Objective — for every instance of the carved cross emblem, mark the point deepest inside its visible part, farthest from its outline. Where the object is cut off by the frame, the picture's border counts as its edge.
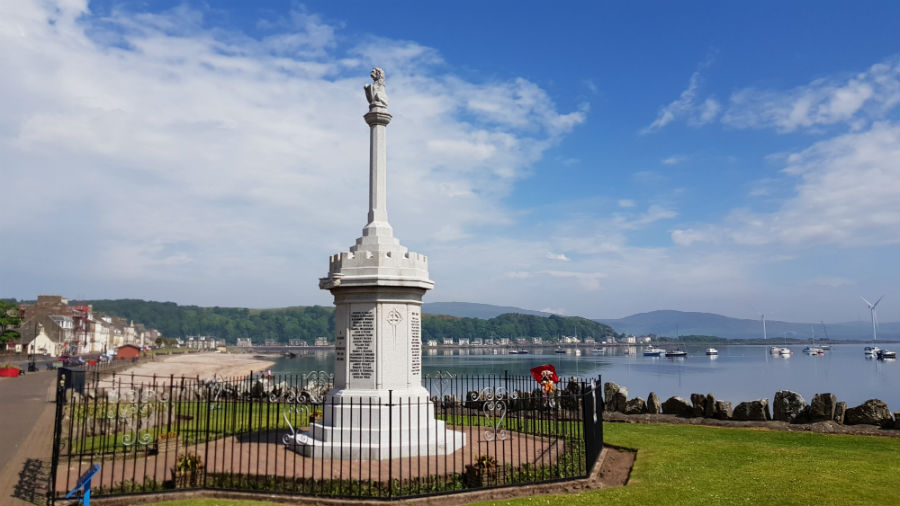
(394, 318)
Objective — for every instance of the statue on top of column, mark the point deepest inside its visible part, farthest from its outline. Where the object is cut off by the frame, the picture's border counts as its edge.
(375, 93)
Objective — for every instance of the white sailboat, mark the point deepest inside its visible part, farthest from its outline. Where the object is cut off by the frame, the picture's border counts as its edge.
(676, 352)
(777, 351)
(812, 349)
(773, 350)
(825, 346)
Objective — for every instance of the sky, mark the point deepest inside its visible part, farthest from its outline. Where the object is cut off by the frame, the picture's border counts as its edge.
(589, 159)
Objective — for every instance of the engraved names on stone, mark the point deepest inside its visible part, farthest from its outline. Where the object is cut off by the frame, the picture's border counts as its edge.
(415, 345)
(362, 345)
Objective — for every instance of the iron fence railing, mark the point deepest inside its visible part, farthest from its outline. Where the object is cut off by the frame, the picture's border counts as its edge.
(266, 433)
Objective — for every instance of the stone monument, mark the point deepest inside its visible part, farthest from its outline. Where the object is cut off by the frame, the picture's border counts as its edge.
(378, 401)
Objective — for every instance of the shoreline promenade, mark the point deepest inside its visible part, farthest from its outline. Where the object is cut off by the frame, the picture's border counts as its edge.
(26, 415)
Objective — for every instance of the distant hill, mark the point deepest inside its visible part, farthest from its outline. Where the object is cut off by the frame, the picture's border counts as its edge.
(465, 319)
(308, 322)
(664, 323)
(473, 310)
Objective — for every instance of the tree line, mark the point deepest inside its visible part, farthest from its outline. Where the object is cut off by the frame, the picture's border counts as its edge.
(309, 322)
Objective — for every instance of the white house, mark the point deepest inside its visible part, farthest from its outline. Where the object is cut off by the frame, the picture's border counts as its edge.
(41, 345)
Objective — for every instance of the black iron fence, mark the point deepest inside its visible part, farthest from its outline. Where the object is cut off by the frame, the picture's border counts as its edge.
(283, 434)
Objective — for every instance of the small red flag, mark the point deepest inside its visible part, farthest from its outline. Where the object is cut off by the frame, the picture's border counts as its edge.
(537, 372)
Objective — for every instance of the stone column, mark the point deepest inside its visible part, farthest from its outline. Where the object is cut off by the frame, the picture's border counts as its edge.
(378, 119)
(378, 399)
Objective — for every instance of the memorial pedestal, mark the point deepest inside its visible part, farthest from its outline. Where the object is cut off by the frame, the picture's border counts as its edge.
(372, 426)
(378, 408)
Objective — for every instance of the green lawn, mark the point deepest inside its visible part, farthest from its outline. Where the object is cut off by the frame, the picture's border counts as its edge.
(692, 465)
(678, 464)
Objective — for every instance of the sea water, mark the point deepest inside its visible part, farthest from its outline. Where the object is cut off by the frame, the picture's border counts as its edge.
(739, 372)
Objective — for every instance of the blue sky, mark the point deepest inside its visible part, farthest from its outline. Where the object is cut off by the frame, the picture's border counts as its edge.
(587, 159)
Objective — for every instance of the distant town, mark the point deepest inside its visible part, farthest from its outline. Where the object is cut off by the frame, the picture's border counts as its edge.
(53, 327)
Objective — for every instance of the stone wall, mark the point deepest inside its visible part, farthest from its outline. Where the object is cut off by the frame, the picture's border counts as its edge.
(786, 406)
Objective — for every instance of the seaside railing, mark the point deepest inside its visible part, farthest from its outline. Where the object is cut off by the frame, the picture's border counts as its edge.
(153, 434)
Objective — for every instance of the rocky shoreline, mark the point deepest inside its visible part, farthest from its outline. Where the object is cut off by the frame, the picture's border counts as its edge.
(824, 414)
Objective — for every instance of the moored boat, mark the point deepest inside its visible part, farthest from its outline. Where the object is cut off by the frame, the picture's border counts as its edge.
(652, 351)
(783, 352)
(778, 350)
(712, 351)
(883, 354)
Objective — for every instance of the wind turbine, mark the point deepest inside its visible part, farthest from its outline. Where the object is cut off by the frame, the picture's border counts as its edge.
(874, 322)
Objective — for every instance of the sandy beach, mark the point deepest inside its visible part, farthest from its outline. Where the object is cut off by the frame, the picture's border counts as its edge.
(204, 365)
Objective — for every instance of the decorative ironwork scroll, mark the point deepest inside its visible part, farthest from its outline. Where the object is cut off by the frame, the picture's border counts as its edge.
(494, 407)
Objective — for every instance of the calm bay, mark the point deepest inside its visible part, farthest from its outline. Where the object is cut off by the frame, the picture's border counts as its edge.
(738, 373)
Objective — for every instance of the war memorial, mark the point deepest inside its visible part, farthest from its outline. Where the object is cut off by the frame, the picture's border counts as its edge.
(374, 426)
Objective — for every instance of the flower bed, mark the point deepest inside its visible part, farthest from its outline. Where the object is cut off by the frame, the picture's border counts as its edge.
(10, 371)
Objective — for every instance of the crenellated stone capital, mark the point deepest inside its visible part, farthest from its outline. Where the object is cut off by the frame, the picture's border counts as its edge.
(377, 116)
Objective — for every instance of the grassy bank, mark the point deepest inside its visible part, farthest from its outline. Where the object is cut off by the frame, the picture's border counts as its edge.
(693, 465)
(711, 465)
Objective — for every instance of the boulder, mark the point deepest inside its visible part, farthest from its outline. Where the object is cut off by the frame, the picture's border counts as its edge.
(757, 410)
(698, 405)
(787, 405)
(653, 405)
(872, 412)
(722, 410)
(822, 407)
(897, 419)
(635, 406)
(615, 396)
(677, 406)
(840, 409)
(709, 409)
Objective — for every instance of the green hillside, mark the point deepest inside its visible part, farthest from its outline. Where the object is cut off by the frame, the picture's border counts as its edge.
(309, 322)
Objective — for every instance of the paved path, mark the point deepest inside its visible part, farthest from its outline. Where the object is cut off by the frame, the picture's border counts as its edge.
(27, 420)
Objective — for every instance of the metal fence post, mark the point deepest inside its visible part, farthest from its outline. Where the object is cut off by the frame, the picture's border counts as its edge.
(390, 443)
(600, 411)
(57, 433)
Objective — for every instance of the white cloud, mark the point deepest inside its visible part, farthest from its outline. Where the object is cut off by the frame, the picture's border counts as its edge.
(687, 107)
(845, 194)
(855, 100)
(674, 160)
(557, 256)
(208, 159)
(557, 311)
(687, 237)
(653, 214)
(678, 108)
(519, 275)
(626, 203)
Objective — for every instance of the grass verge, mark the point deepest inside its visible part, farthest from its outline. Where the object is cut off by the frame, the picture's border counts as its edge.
(693, 465)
